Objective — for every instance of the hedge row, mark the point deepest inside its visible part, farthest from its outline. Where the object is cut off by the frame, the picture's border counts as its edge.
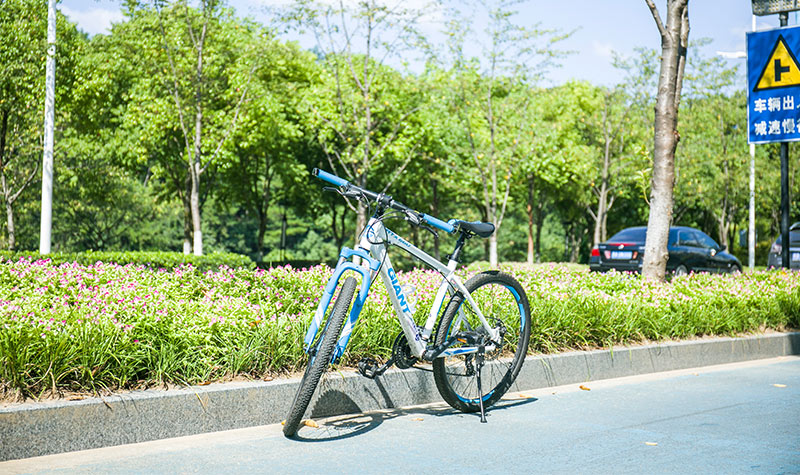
(149, 259)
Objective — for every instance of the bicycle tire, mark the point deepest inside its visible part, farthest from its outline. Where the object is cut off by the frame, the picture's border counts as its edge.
(320, 357)
(504, 303)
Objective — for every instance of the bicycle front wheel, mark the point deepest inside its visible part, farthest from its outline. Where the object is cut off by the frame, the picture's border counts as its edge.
(502, 301)
(319, 356)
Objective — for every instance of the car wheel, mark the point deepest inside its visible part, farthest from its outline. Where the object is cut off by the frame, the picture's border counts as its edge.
(681, 270)
(736, 270)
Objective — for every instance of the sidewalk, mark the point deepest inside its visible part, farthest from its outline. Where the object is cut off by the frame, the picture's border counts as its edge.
(35, 429)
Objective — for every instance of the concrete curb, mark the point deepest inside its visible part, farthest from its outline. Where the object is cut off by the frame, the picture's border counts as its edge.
(34, 429)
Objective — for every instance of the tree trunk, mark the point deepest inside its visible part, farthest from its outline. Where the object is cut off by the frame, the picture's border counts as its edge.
(196, 159)
(604, 228)
(602, 195)
(723, 226)
(361, 221)
(194, 203)
(338, 234)
(674, 39)
(262, 229)
(187, 218)
(573, 243)
(600, 216)
(435, 212)
(493, 249)
(529, 210)
(262, 209)
(12, 239)
(6, 191)
(539, 222)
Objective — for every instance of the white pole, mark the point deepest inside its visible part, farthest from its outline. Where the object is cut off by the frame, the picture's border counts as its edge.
(751, 231)
(49, 119)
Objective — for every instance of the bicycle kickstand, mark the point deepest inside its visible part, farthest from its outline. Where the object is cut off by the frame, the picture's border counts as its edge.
(480, 358)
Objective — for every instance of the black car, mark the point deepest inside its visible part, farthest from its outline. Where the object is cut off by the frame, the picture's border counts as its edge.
(774, 258)
(690, 250)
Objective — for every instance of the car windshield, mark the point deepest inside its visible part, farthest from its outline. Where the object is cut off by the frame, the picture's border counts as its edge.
(794, 238)
(630, 235)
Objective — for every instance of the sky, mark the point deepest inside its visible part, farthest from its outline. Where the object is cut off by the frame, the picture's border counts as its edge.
(602, 26)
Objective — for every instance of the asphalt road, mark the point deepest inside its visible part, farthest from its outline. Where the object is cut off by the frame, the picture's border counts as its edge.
(738, 418)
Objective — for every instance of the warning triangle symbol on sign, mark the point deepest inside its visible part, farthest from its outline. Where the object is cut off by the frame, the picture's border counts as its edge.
(781, 70)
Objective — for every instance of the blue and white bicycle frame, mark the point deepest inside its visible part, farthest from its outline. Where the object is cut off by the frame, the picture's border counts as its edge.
(372, 249)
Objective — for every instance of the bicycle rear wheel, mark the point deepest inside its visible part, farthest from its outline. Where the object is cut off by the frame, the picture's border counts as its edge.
(319, 356)
(503, 302)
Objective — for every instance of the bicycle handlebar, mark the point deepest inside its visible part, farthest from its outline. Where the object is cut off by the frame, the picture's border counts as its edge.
(329, 177)
(414, 216)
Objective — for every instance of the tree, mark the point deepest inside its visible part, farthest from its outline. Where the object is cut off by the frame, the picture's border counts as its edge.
(194, 75)
(23, 27)
(556, 153)
(490, 95)
(363, 112)
(270, 148)
(712, 172)
(619, 131)
(674, 42)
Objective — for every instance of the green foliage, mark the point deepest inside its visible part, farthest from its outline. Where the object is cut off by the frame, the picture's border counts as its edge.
(101, 326)
(23, 52)
(450, 140)
(149, 259)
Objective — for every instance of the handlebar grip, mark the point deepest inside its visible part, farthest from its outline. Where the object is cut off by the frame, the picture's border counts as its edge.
(438, 223)
(329, 177)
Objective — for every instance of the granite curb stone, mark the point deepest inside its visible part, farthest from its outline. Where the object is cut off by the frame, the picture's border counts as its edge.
(35, 429)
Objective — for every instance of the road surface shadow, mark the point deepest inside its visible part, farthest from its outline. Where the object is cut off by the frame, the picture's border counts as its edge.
(355, 424)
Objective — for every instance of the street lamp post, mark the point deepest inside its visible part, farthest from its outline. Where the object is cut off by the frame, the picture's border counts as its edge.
(751, 225)
(49, 125)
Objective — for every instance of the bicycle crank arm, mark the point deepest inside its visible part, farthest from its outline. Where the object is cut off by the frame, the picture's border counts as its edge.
(368, 367)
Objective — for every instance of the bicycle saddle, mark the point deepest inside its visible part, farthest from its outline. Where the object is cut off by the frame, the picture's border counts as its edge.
(478, 228)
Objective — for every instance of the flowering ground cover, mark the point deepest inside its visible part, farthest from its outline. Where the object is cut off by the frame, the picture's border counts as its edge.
(104, 327)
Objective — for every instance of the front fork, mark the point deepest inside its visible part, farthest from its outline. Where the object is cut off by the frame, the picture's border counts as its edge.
(344, 264)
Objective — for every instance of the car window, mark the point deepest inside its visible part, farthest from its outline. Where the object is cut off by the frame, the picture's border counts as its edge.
(794, 238)
(705, 241)
(687, 238)
(630, 235)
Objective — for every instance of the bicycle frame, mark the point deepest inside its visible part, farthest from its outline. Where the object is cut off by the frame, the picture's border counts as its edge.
(372, 249)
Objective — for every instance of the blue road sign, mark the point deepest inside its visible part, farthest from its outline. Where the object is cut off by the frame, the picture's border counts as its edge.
(773, 85)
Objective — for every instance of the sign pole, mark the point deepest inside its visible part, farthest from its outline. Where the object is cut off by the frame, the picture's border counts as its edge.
(785, 205)
(751, 231)
(784, 18)
(751, 225)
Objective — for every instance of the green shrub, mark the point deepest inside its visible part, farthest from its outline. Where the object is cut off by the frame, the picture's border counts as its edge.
(109, 326)
(149, 259)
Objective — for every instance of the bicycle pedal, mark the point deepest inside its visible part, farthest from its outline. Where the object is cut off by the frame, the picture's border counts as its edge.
(368, 367)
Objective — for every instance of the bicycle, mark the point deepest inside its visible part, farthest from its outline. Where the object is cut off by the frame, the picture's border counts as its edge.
(482, 334)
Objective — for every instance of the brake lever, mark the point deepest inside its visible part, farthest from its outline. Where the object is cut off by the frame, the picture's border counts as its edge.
(430, 230)
(416, 220)
(340, 191)
(413, 218)
(351, 194)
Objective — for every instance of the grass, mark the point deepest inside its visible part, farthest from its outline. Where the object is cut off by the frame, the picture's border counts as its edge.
(105, 327)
